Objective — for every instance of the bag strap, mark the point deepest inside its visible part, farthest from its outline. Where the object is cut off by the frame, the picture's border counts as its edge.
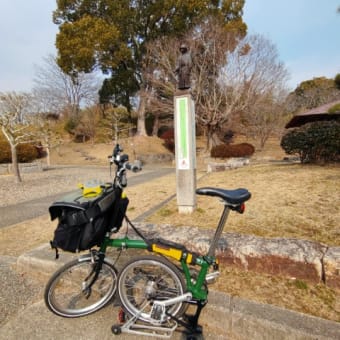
(56, 250)
(137, 231)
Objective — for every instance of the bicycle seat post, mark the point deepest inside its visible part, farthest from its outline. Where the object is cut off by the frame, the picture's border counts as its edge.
(218, 232)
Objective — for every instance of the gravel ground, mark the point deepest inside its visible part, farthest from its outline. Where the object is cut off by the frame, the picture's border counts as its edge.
(16, 290)
(48, 182)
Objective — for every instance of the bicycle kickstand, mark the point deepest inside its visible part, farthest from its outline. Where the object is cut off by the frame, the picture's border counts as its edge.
(192, 329)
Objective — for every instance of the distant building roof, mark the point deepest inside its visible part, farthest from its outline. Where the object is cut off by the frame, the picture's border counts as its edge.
(316, 114)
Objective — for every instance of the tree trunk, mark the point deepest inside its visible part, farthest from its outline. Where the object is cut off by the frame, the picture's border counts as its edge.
(115, 126)
(15, 164)
(156, 125)
(141, 130)
(48, 156)
(212, 139)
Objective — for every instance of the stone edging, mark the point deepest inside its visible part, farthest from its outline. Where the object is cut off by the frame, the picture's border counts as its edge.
(23, 167)
(237, 318)
(230, 163)
(300, 259)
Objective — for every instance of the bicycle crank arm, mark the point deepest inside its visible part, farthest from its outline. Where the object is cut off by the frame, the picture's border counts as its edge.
(182, 298)
(158, 311)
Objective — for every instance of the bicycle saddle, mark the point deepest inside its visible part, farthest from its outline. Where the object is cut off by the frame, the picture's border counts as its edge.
(236, 196)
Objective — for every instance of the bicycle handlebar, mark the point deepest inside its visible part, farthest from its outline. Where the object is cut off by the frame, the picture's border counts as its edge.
(122, 163)
(134, 167)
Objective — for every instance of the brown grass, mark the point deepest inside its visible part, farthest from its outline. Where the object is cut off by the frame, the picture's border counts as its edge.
(314, 299)
(288, 200)
(87, 153)
(22, 237)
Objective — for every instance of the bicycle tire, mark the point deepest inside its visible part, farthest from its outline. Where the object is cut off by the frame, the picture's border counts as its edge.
(65, 294)
(145, 279)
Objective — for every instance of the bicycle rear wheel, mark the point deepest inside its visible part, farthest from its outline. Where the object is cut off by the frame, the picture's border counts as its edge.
(147, 278)
(68, 293)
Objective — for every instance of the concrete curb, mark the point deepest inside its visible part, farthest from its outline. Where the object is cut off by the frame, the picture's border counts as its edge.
(7, 168)
(251, 320)
(232, 317)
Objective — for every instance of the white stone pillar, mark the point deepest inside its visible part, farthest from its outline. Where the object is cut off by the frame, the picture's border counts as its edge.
(185, 149)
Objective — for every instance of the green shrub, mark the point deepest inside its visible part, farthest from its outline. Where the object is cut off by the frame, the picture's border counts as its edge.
(232, 150)
(314, 142)
(26, 153)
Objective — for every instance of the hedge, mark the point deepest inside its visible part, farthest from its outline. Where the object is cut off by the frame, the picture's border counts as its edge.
(232, 150)
(26, 153)
(169, 139)
(314, 142)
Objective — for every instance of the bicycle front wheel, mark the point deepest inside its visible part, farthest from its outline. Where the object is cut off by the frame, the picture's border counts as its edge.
(147, 278)
(74, 291)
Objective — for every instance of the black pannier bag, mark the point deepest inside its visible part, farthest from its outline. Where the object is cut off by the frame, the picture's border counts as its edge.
(83, 222)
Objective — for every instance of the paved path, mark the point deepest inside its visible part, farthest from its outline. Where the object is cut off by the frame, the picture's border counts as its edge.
(28, 318)
(23, 211)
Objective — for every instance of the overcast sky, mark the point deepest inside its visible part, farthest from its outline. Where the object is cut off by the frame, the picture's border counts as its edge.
(305, 32)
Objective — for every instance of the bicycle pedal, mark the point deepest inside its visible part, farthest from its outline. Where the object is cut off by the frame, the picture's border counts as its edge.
(212, 277)
(158, 313)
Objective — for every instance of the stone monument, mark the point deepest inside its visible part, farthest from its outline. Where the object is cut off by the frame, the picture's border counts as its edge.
(183, 68)
(185, 136)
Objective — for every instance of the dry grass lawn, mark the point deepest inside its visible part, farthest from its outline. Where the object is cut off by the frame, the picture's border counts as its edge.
(288, 200)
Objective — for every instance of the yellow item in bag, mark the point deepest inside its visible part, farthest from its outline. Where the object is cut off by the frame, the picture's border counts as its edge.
(91, 188)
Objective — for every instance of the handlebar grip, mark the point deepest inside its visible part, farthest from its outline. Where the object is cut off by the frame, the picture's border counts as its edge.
(135, 167)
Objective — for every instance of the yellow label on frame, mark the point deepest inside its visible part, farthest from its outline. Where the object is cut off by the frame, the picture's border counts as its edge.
(171, 252)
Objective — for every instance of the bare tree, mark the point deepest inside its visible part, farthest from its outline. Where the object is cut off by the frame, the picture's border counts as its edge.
(45, 133)
(254, 72)
(215, 99)
(14, 122)
(231, 77)
(86, 129)
(208, 44)
(57, 92)
(265, 118)
(159, 74)
(116, 127)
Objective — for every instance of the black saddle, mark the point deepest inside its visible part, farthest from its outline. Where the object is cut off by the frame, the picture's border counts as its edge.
(237, 196)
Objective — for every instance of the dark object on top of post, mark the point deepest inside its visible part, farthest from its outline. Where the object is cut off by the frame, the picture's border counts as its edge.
(183, 68)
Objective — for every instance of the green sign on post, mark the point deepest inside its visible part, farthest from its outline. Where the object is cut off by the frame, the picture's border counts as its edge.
(185, 147)
(182, 127)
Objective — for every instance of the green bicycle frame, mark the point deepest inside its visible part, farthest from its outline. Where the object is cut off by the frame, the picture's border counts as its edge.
(122, 243)
(194, 285)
